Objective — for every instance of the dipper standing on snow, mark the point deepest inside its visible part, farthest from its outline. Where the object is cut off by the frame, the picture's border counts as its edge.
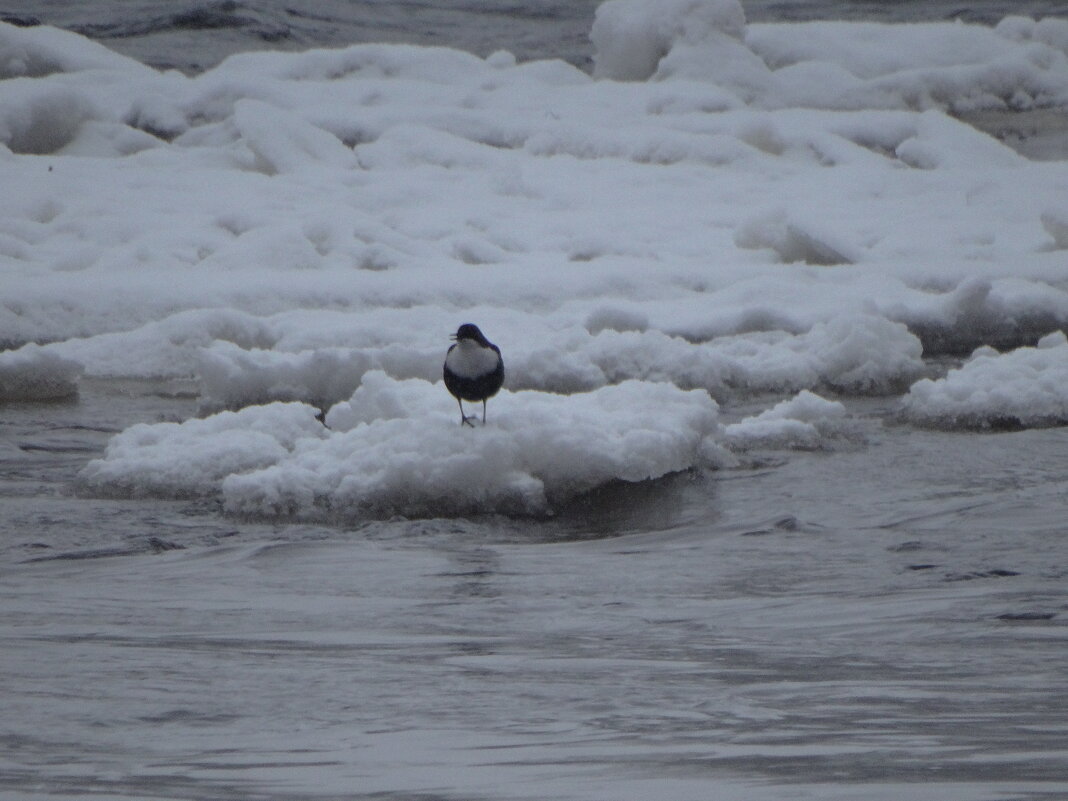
(474, 370)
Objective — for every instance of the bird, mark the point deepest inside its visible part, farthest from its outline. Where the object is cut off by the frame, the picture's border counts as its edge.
(474, 369)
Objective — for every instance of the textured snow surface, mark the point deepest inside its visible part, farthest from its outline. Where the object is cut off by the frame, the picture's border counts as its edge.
(395, 448)
(1026, 387)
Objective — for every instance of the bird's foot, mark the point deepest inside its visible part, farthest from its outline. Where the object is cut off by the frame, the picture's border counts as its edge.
(468, 421)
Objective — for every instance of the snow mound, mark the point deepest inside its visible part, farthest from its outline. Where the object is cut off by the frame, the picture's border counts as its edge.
(1027, 387)
(177, 460)
(396, 447)
(804, 422)
(864, 354)
(631, 37)
(33, 373)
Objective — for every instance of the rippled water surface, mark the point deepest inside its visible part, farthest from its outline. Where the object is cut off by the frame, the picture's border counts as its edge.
(880, 622)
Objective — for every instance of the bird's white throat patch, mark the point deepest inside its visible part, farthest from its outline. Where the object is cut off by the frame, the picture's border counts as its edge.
(470, 360)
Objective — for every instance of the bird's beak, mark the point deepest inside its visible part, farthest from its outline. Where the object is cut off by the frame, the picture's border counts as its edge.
(452, 337)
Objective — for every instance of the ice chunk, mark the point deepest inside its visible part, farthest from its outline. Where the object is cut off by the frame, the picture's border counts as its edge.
(176, 460)
(396, 447)
(694, 39)
(381, 397)
(407, 454)
(941, 142)
(951, 66)
(283, 142)
(835, 65)
(231, 376)
(40, 50)
(631, 36)
(794, 241)
(170, 347)
(805, 421)
(33, 373)
(864, 354)
(860, 353)
(1026, 387)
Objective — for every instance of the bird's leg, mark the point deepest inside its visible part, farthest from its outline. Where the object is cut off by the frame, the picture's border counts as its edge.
(483, 411)
(464, 419)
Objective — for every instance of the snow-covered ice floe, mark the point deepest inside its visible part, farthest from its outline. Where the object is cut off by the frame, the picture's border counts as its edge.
(396, 448)
(803, 422)
(1026, 387)
(721, 206)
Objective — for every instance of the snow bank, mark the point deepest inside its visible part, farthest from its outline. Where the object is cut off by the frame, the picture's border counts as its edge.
(755, 208)
(1026, 387)
(396, 448)
(856, 354)
(32, 373)
(168, 348)
(860, 354)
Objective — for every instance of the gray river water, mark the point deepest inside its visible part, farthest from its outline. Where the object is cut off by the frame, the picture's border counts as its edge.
(877, 622)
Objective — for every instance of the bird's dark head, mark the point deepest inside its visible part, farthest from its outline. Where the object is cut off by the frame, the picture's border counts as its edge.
(470, 331)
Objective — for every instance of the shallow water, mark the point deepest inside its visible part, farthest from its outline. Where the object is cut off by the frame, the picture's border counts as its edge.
(881, 621)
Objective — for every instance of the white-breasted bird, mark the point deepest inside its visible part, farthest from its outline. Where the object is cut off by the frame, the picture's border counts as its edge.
(474, 369)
